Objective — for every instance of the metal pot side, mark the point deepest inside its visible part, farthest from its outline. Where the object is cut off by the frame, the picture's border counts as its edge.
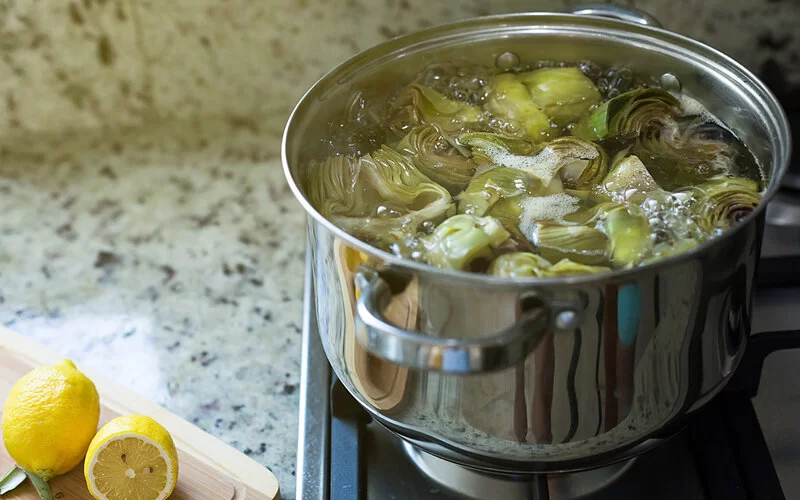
(652, 343)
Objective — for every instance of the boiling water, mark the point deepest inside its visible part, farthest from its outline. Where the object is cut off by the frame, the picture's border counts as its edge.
(705, 149)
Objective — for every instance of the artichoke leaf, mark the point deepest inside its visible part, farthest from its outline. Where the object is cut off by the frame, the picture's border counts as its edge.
(566, 267)
(627, 114)
(581, 244)
(577, 163)
(630, 236)
(510, 100)
(519, 265)
(418, 104)
(500, 193)
(486, 147)
(461, 239)
(531, 265)
(493, 185)
(433, 156)
(580, 164)
(594, 215)
(668, 249)
(629, 180)
(564, 94)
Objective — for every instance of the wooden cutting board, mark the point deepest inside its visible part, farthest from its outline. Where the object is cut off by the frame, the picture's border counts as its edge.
(209, 469)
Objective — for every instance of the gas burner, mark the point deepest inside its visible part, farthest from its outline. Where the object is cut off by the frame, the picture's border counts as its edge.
(479, 486)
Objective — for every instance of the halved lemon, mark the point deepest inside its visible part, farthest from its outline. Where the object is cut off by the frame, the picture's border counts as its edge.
(131, 458)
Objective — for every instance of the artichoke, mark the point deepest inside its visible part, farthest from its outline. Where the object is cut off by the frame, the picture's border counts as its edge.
(564, 94)
(690, 151)
(519, 265)
(566, 267)
(500, 192)
(462, 239)
(581, 164)
(510, 100)
(577, 163)
(381, 197)
(669, 249)
(331, 186)
(434, 157)
(627, 114)
(418, 104)
(581, 244)
(489, 149)
(491, 186)
(530, 265)
(630, 236)
(723, 201)
(630, 180)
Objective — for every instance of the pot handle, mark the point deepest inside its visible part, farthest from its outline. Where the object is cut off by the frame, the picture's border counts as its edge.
(451, 355)
(628, 14)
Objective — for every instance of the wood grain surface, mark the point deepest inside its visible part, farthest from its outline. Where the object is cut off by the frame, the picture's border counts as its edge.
(209, 469)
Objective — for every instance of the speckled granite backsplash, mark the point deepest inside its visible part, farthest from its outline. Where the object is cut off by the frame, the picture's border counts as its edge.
(87, 63)
(145, 226)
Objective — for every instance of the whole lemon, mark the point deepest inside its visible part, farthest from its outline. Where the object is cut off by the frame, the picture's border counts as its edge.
(49, 419)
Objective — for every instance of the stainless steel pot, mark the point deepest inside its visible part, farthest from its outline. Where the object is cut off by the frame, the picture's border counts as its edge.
(518, 376)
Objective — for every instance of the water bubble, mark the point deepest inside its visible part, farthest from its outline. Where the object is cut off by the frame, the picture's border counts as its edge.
(506, 60)
(670, 82)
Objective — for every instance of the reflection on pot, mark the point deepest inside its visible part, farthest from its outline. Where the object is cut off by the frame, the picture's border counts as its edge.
(380, 381)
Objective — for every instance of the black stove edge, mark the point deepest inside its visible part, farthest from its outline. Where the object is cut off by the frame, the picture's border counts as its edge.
(778, 271)
(313, 440)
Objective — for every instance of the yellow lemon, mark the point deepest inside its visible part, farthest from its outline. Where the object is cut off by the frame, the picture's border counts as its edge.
(49, 419)
(131, 458)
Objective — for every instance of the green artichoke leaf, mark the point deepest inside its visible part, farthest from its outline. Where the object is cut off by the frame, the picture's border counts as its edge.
(581, 244)
(493, 185)
(486, 147)
(629, 180)
(564, 94)
(629, 234)
(381, 197)
(418, 104)
(566, 267)
(572, 162)
(519, 265)
(723, 201)
(435, 157)
(627, 114)
(593, 215)
(499, 192)
(510, 100)
(581, 164)
(668, 249)
(461, 239)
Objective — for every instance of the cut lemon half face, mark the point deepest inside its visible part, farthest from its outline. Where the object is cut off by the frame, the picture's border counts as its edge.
(131, 458)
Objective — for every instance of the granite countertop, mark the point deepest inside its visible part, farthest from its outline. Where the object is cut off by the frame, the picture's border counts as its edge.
(170, 260)
(168, 252)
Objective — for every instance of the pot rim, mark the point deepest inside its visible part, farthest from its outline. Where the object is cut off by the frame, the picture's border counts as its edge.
(483, 24)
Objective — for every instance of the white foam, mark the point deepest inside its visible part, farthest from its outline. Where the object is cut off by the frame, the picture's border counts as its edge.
(543, 166)
(692, 107)
(541, 208)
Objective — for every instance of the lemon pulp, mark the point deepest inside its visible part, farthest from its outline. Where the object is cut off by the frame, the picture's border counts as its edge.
(131, 467)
